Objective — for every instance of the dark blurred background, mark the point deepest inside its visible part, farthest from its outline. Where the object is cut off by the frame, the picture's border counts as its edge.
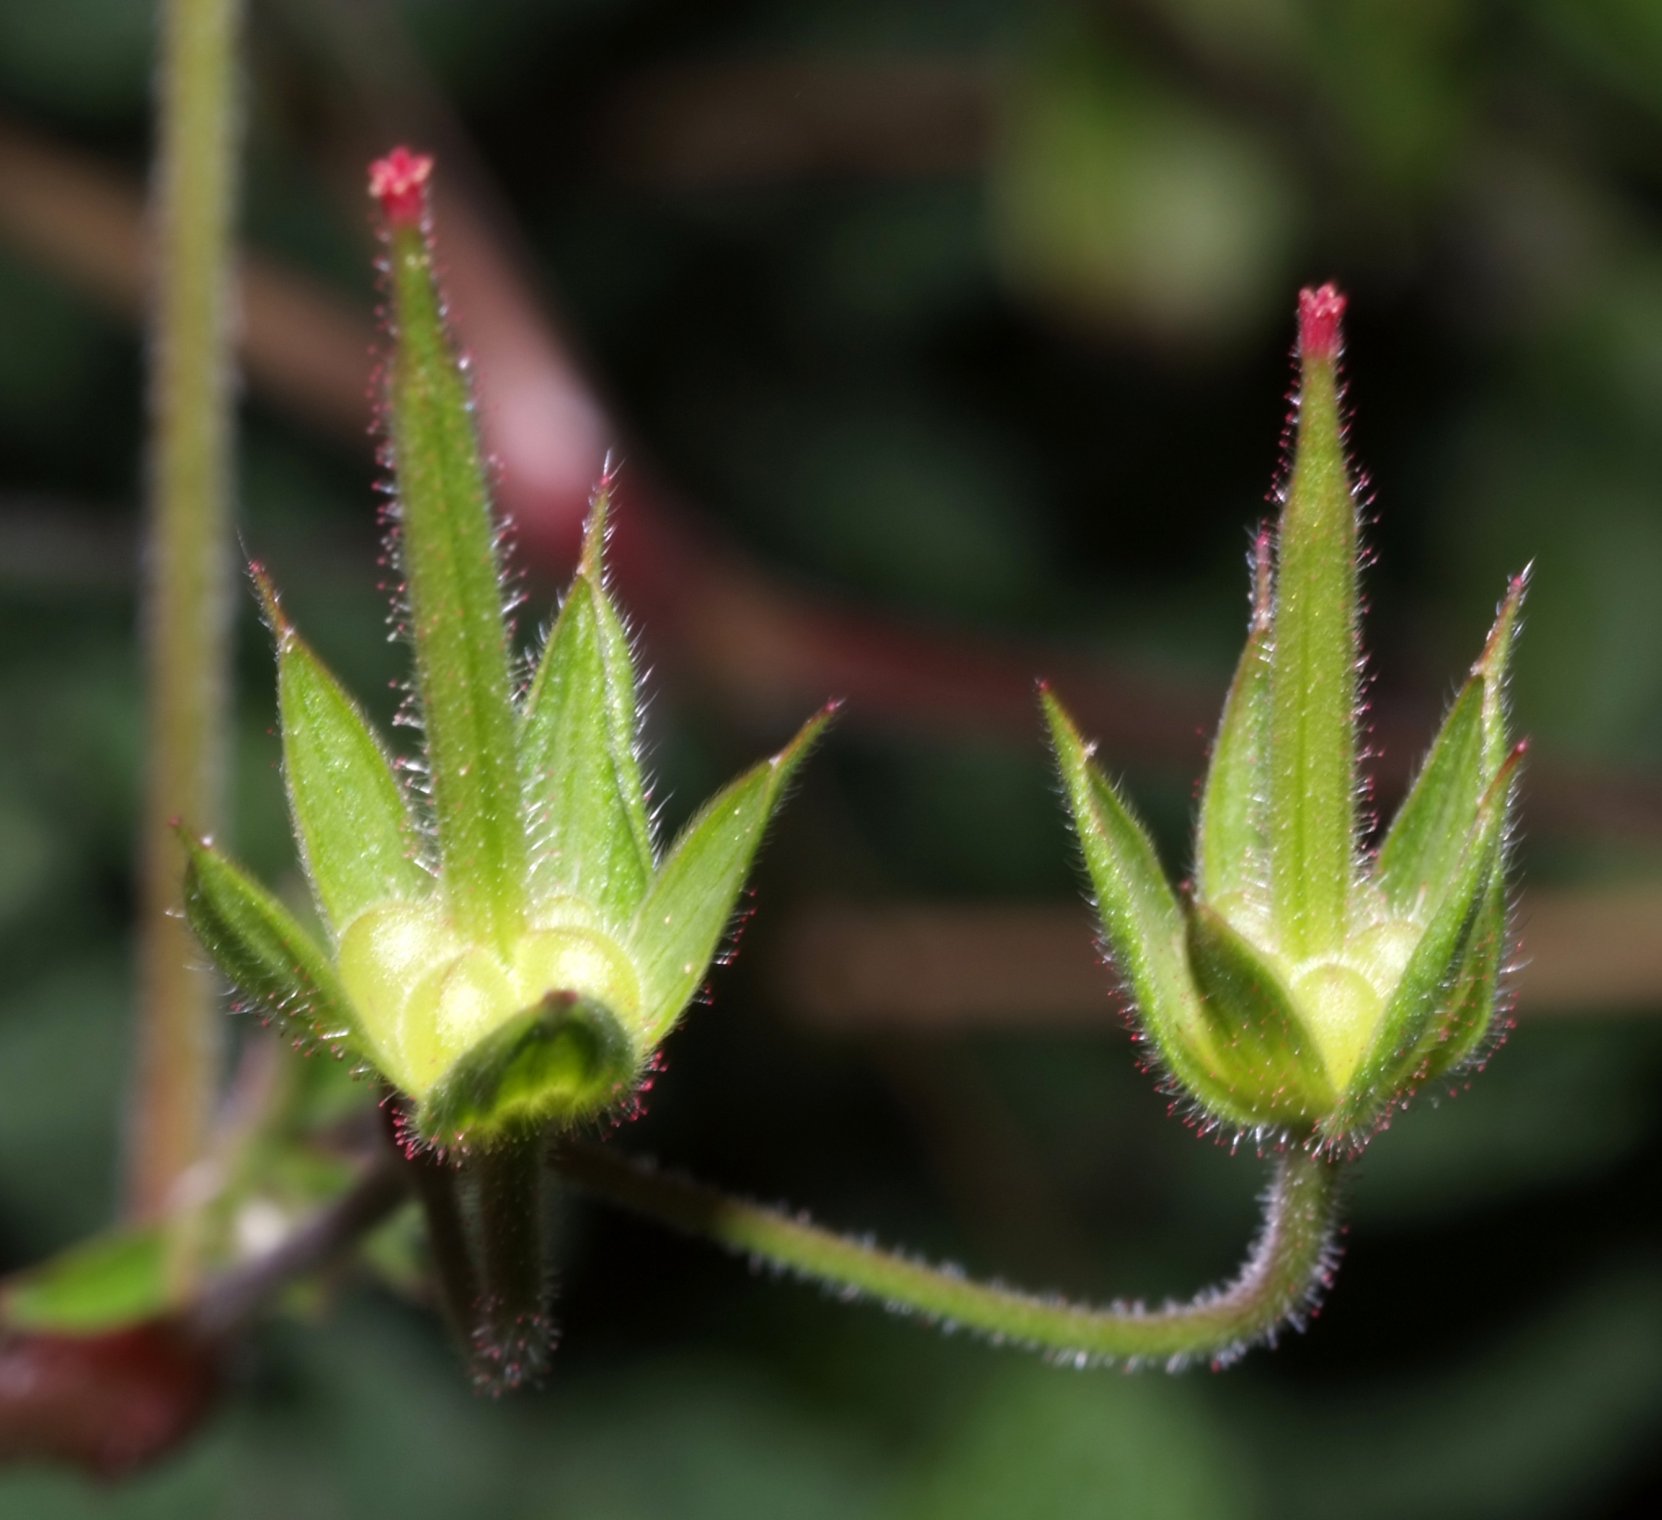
(946, 346)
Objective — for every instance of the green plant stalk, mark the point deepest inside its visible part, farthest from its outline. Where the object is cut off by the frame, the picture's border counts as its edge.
(434, 1184)
(511, 1334)
(186, 591)
(1279, 1283)
(486, 1216)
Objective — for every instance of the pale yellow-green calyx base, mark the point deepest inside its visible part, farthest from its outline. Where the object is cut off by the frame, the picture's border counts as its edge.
(426, 996)
(1339, 998)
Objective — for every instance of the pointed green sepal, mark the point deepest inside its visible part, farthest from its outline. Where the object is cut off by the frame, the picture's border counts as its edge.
(1495, 665)
(1260, 1046)
(1463, 1029)
(351, 818)
(1142, 923)
(563, 1060)
(1313, 702)
(446, 548)
(691, 901)
(1233, 842)
(266, 955)
(1428, 834)
(592, 837)
(1449, 974)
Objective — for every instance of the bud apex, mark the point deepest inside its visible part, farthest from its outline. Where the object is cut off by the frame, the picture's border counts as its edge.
(1319, 314)
(399, 183)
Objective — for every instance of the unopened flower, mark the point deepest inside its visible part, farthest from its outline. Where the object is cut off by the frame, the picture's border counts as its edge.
(508, 944)
(1307, 986)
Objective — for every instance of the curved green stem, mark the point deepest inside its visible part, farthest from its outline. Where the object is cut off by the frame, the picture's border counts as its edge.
(1279, 1284)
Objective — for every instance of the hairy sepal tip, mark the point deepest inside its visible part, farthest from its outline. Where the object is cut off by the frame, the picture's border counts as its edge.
(271, 606)
(807, 736)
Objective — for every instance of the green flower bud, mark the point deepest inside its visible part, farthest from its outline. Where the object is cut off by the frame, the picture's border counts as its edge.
(1305, 987)
(507, 945)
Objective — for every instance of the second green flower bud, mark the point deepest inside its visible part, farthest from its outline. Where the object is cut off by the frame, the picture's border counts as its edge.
(1304, 987)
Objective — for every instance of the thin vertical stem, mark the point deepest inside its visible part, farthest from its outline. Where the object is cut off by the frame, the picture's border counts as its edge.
(487, 1228)
(512, 1334)
(186, 580)
(435, 1185)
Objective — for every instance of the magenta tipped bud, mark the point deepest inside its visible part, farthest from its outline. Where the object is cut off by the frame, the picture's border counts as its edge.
(506, 945)
(398, 183)
(1305, 986)
(1320, 312)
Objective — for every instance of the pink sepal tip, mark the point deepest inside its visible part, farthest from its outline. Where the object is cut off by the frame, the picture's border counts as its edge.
(399, 183)
(1319, 314)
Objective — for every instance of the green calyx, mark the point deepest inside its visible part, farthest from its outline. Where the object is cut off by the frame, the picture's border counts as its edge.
(1304, 987)
(506, 944)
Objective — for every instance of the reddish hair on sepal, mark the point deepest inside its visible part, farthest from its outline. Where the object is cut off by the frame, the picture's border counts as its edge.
(399, 183)
(1320, 312)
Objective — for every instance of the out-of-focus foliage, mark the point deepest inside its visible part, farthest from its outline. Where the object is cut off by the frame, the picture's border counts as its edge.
(1019, 384)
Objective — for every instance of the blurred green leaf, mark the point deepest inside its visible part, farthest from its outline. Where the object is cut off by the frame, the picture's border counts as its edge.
(1122, 198)
(1047, 1445)
(101, 1284)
